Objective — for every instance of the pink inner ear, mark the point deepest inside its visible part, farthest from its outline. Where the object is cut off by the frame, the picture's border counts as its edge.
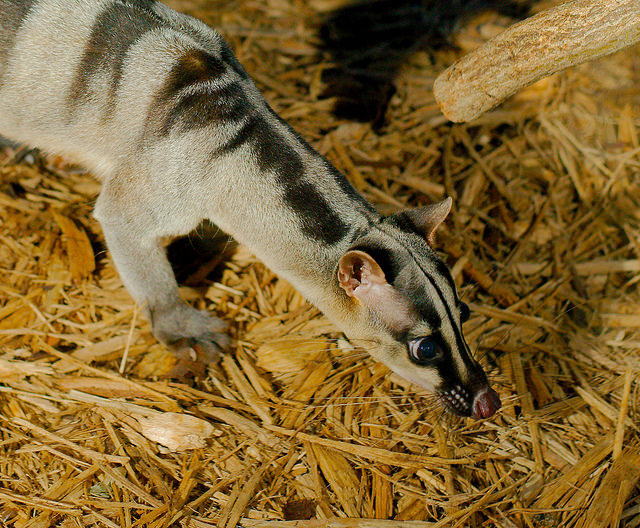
(362, 279)
(357, 272)
(347, 283)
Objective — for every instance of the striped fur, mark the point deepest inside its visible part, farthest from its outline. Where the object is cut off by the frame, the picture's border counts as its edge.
(156, 105)
(12, 15)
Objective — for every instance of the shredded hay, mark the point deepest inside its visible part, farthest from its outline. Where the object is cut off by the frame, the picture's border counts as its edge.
(297, 424)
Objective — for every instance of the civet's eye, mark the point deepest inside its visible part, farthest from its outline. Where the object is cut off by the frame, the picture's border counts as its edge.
(422, 351)
(465, 313)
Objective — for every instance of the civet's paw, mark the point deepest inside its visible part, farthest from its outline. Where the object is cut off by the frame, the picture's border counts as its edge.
(193, 335)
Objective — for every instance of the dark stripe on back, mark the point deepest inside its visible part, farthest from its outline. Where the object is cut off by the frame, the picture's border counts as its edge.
(195, 66)
(175, 110)
(241, 137)
(230, 59)
(207, 105)
(114, 31)
(201, 107)
(351, 191)
(12, 15)
(147, 5)
(275, 155)
(342, 182)
(318, 219)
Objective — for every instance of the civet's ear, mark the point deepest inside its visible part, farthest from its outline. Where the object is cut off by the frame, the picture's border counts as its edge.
(360, 276)
(428, 218)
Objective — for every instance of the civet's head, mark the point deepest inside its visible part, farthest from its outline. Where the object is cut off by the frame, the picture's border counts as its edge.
(402, 303)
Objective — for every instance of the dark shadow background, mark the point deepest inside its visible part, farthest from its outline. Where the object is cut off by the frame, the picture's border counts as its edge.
(368, 40)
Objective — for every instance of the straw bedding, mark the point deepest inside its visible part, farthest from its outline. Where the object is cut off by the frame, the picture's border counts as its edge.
(100, 427)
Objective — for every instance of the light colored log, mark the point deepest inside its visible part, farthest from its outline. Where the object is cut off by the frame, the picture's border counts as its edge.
(571, 33)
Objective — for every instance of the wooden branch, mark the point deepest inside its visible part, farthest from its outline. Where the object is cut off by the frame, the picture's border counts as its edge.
(572, 33)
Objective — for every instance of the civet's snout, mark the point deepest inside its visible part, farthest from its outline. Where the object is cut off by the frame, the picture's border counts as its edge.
(485, 404)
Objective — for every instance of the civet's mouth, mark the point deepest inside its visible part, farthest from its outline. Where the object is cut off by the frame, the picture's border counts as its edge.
(458, 400)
